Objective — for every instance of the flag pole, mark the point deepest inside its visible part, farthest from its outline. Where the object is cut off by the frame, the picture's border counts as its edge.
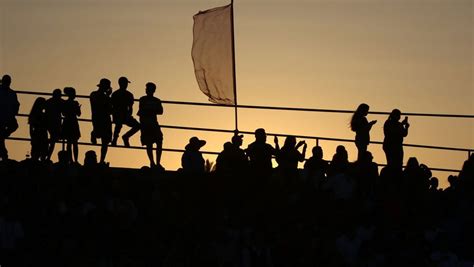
(233, 63)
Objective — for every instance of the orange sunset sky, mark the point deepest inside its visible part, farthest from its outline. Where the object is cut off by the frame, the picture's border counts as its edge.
(415, 55)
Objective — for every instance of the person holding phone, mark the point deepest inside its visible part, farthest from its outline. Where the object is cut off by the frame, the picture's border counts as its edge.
(394, 132)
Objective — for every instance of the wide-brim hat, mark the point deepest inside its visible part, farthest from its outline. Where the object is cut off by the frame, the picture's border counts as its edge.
(196, 142)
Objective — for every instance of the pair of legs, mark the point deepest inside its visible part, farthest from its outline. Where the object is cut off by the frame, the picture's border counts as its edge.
(5, 131)
(103, 130)
(394, 156)
(159, 150)
(361, 149)
(72, 149)
(134, 128)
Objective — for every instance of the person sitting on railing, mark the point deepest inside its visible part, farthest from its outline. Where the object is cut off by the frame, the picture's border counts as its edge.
(9, 107)
(192, 160)
(289, 156)
(53, 111)
(38, 130)
(149, 108)
(361, 126)
(394, 132)
(122, 102)
(71, 132)
(101, 107)
(260, 154)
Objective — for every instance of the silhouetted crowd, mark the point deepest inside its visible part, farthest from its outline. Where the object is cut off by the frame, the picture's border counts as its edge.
(240, 212)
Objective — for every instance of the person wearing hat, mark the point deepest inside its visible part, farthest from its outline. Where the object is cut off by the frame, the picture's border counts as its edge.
(149, 108)
(192, 160)
(122, 102)
(101, 107)
(9, 107)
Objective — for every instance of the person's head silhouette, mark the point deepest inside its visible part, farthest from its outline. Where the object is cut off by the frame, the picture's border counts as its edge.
(395, 115)
(104, 85)
(290, 141)
(317, 152)
(150, 88)
(70, 92)
(237, 140)
(123, 82)
(57, 93)
(90, 158)
(362, 109)
(260, 135)
(6, 81)
(195, 143)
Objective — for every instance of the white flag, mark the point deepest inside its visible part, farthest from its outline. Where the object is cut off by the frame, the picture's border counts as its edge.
(212, 54)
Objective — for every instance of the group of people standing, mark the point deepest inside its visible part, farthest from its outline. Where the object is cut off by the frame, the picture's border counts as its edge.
(55, 119)
(394, 132)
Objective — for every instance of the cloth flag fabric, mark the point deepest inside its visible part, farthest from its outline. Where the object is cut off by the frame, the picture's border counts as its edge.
(212, 54)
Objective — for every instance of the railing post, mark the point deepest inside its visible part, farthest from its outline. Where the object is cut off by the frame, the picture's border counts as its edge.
(317, 141)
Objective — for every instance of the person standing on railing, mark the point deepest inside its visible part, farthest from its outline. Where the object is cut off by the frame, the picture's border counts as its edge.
(361, 126)
(71, 131)
(38, 130)
(394, 132)
(101, 107)
(122, 102)
(9, 107)
(149, 108)
(53, 111)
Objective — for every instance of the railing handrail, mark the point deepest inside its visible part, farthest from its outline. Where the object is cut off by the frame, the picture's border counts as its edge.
(204, 152)
(415, 114)
(317, 138)
(295, 135)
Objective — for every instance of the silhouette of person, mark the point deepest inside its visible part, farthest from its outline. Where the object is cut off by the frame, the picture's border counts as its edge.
(289, 156)
(53, 111)
(394, 132)
(340, 162)
(192, 160)
(9, 107)
(232, 160)
(316, 167)
(149, 108)
(101, 107)
(122, 102)
(71, 132)
(38, 130)
(224, 161)
(239, 157)
(260, 154)
(361, 126)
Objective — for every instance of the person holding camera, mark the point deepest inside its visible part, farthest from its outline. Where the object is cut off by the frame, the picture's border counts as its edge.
(394, 132)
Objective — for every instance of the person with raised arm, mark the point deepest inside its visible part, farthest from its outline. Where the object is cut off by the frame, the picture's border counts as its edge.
(394, 132)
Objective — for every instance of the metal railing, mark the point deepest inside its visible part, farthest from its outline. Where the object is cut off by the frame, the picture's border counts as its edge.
(316, 138)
